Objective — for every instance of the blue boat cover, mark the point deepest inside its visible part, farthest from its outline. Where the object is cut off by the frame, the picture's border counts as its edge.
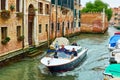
(113, 70)
(113, 40)
(50, 50)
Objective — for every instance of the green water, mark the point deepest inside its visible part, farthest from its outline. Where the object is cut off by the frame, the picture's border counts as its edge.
(91, 69)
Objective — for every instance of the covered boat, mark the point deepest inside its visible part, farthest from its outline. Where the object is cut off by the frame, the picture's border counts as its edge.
(114, 41)
(112, 71)
(59, 41)
(64, 60)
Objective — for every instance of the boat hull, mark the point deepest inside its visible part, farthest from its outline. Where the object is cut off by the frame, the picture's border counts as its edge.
(114, 41)
(112, 71)
(68, 66)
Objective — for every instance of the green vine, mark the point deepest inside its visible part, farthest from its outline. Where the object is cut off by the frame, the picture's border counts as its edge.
(6, 40)
(20, 38)
(5, 14)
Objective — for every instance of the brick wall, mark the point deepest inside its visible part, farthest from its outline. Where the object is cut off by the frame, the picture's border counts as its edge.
(93, 22)
(11, 25)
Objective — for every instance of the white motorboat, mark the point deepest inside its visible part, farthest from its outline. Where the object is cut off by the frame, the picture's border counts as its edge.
(64, 61)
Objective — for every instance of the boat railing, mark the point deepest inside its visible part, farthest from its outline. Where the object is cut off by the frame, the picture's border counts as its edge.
(63, 55)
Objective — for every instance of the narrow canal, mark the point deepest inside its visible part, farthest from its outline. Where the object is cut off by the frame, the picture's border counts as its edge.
(91, 69)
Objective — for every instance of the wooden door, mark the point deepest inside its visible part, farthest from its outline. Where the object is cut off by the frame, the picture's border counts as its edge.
(30, 33)
(63, 29)
(31, 15)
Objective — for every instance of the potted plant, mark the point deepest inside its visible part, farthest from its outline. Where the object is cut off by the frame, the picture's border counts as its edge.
(5, 14)
(19, 14)
(6, 40)
(20, 38)
(12, 7)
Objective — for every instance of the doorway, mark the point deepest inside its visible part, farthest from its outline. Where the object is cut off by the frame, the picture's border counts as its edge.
(63, 29)
(31, 14)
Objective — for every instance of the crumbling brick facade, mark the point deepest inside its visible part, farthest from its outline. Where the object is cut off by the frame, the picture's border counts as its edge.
(37, 23)
(94, 22)
(10, 24)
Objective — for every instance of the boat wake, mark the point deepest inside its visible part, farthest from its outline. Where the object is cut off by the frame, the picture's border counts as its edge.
(43, 69)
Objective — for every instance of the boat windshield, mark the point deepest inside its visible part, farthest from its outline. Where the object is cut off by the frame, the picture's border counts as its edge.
(63, 55)
(79, 50)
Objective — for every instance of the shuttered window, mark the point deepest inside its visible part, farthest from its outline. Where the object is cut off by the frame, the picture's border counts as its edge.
(40, 28)
(58, 27)
(40, 5)
(18, 5)
(71, 24)
(75, 12)
(3, 4)
(18, 31)
(52, 27)
(79, 14)
(46, 9)
(79, 24)
(3, 33)
(68, 25)
(46, 27)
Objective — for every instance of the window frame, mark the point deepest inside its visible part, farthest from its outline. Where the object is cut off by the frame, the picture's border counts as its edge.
(68, 25)
(46, 8)
(3, 33)
(40, 28)
(46, 27)
(52, 27)
(40, 7)
(18, 31)
(19, 4)
(58, 26)
(4, 5)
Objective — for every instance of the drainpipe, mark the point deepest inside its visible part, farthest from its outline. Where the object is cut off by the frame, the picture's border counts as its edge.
(103, 18)
(49, 24)
(56, 3)
(23, 23)
(73, 17)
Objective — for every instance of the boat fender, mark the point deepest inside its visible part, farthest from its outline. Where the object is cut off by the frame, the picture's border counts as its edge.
(48, 62)
(113, 54)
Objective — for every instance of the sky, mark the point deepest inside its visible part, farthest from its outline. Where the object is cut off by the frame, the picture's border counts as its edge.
(111, 3)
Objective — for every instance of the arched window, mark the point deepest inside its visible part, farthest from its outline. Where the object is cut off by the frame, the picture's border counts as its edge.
(46, 9)
(31, 9)
(40, 5)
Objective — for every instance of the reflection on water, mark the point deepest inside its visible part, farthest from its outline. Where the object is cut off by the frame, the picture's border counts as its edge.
(91, 69)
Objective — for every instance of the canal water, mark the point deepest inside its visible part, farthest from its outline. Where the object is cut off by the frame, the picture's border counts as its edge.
(91, 69)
